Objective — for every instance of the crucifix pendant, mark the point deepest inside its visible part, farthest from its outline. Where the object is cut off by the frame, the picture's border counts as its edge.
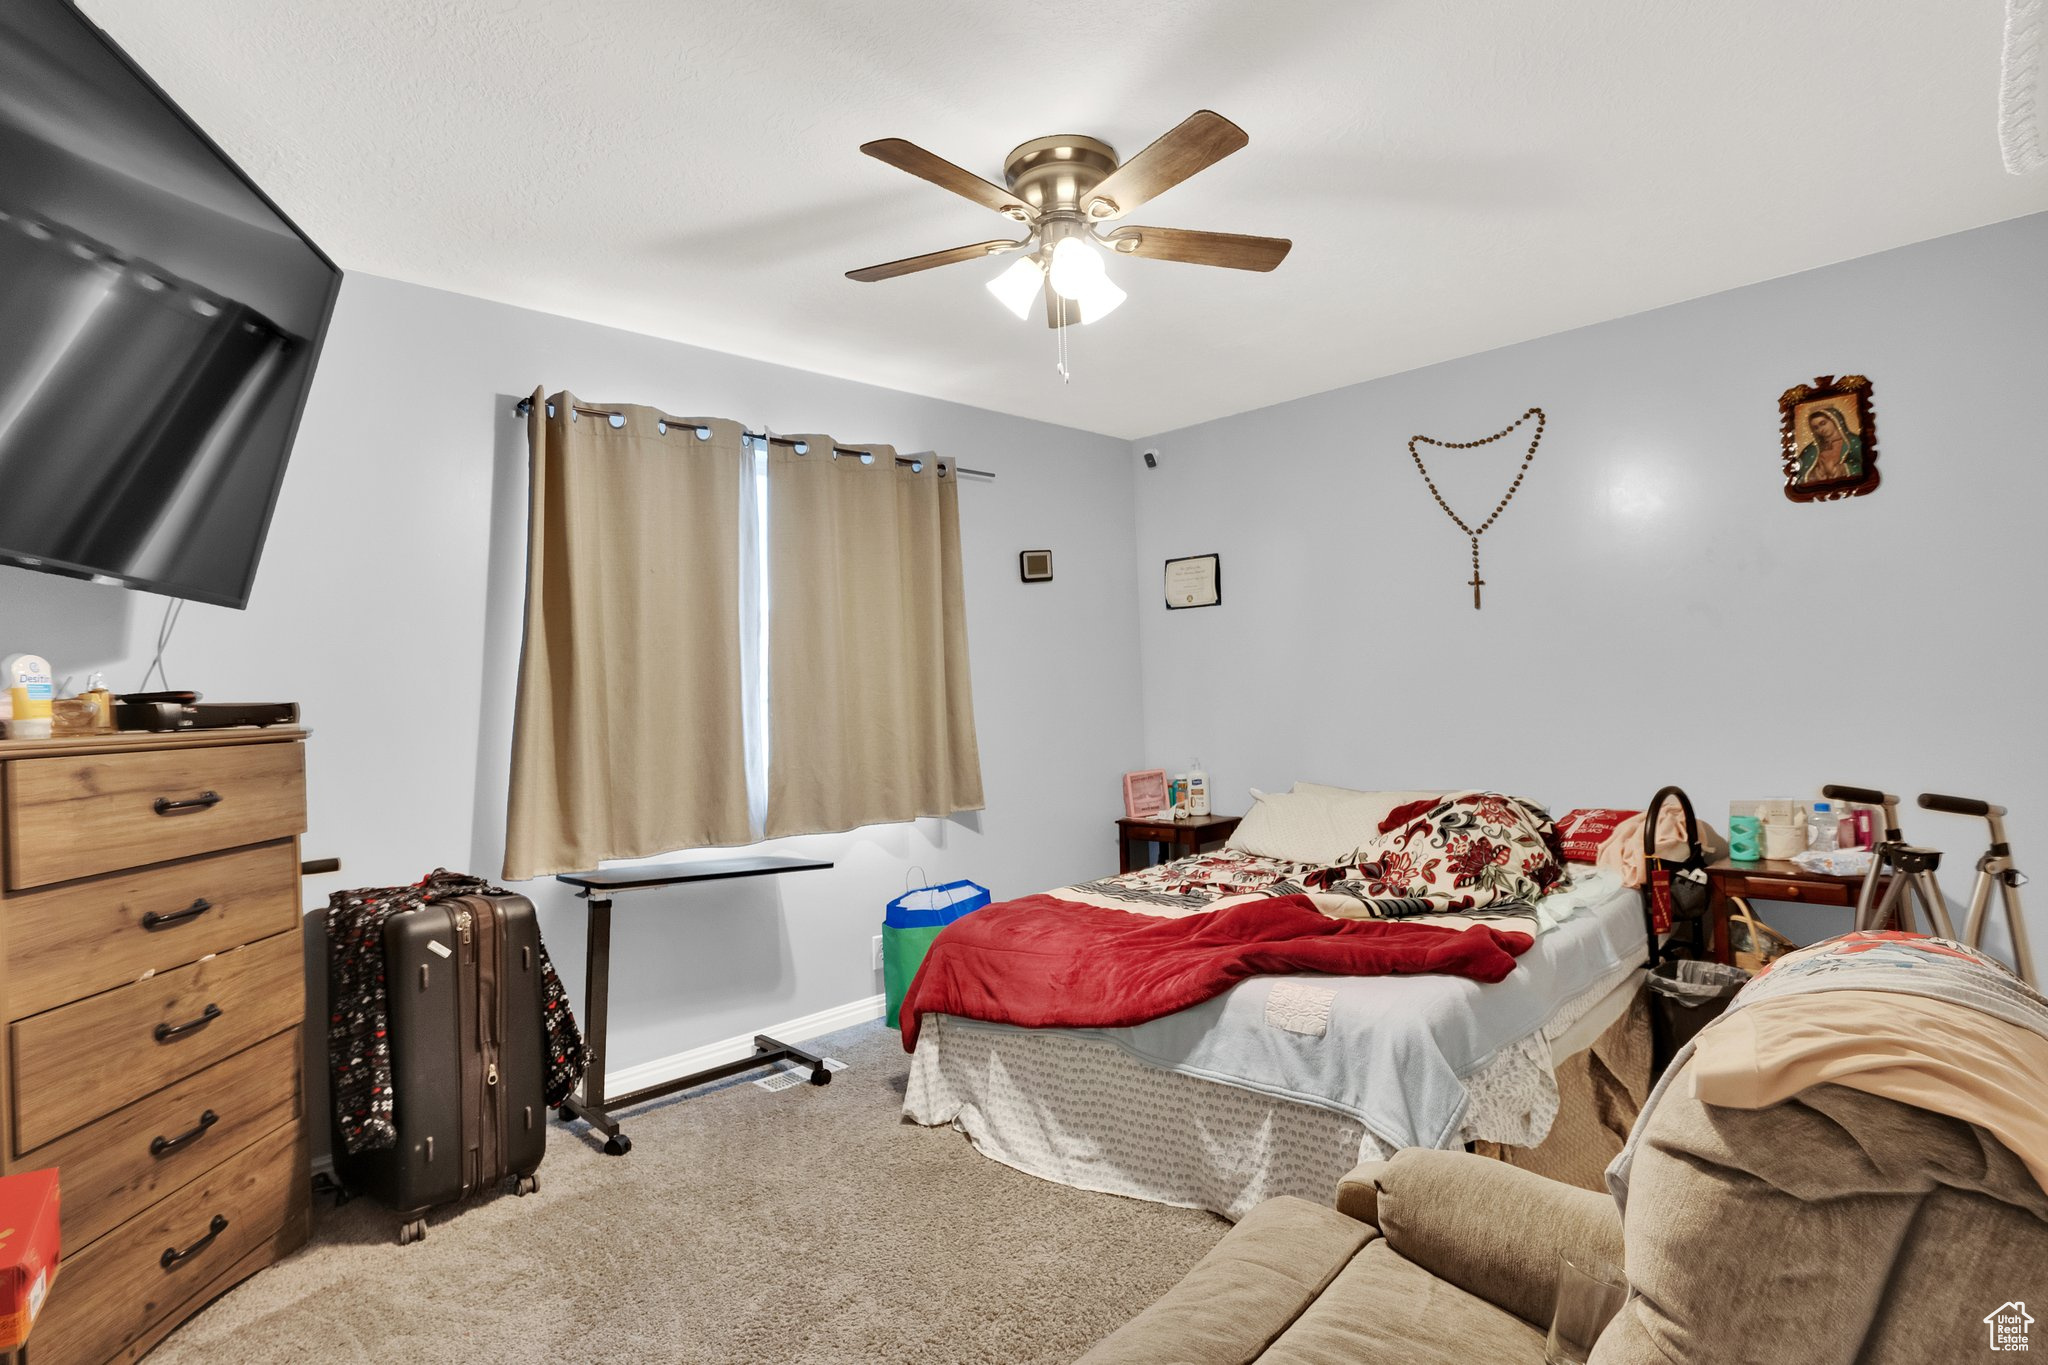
(1477, 581)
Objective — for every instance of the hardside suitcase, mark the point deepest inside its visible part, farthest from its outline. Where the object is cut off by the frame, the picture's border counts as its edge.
(464, 997)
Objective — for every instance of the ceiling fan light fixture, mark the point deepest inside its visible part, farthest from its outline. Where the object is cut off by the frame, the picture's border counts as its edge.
(1018, 286)
(1075, 268)
(1079, 276)
(1099, 300)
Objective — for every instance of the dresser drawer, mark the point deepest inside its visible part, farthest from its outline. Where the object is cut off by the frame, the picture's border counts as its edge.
(115, 1168)
(76, 940)
(111, 1293)
(1806, 893)
(74, 1064)
(75, 817)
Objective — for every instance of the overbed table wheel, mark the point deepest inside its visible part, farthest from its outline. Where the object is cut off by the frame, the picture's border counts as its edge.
(618, 1144)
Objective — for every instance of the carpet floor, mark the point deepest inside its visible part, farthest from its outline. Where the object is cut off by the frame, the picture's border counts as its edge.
(808, 1226)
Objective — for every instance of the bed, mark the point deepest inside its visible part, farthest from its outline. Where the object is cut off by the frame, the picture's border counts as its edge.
(1281, 1083)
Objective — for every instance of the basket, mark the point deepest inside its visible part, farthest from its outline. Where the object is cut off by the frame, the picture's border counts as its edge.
(1753, 944)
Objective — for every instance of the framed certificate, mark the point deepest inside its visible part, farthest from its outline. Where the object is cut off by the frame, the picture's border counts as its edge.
(1196, 581)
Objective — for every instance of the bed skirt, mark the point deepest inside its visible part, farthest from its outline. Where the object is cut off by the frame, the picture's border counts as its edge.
(1085, 1113)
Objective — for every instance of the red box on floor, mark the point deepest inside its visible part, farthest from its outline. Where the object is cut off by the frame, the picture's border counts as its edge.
(28, 1251)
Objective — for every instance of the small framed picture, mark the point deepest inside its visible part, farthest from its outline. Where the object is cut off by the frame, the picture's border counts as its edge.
(1144, 793)
(1035, 566)
(1195, 581)
(1828, 439)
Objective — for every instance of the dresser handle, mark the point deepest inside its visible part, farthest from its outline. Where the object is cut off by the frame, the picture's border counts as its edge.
(165, 806)
(172, 1257)
(153, 920)
(159, 1146)
(166, 1032)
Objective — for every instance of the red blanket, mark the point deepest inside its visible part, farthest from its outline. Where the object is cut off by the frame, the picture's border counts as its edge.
(1046, 963)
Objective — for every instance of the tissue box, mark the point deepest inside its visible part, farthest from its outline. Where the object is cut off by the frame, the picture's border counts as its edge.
(28, 1251)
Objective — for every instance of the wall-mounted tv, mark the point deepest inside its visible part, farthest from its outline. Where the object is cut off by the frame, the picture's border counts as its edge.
(159, 323)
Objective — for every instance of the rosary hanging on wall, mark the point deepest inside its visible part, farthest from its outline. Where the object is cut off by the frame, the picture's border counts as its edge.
(1474, 532)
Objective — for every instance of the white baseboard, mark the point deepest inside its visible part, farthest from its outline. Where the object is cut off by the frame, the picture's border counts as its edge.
(663, 1069)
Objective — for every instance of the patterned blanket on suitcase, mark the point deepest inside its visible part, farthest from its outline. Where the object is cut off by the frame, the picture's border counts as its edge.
(358, 1045)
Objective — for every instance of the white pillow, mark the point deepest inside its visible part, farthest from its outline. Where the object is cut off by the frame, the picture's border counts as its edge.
(1290, 825)
(1354, 816)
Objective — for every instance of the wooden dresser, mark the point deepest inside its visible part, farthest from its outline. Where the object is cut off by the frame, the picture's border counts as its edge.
(153, 994)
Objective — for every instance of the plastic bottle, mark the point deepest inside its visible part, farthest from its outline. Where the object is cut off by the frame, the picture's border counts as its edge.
(1198, 790)
(1823, 828)
(1180, 796)
(27, 679)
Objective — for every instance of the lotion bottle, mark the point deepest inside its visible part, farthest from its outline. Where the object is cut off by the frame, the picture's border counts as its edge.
(1198, 790)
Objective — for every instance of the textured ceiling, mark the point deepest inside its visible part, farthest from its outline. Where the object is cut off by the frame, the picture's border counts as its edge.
(1455, 174)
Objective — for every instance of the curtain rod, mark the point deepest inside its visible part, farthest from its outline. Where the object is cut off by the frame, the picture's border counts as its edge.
(524, 407)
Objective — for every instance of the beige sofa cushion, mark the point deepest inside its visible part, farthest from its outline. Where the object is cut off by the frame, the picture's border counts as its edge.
(1385, 1310)
(1493, 1229)
(1835, 1227)
(1244, 1293)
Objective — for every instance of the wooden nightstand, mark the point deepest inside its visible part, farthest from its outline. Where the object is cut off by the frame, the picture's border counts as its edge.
(1773, 880)
(1182, 837)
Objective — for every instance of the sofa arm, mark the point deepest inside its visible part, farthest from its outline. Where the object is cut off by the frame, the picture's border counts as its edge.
(1358, 1194)
(1489, 1228)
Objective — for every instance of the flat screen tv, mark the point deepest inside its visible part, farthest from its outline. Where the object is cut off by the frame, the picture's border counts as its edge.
(159, 323)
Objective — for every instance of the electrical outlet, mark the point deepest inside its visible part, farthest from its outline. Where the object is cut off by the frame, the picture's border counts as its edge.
(876, 951)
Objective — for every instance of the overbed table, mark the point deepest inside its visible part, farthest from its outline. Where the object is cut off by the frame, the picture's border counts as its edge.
(596, 890)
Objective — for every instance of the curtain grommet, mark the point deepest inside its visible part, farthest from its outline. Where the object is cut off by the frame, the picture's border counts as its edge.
(617, 419)
(661, 428)
(703, 433)
(802, 447)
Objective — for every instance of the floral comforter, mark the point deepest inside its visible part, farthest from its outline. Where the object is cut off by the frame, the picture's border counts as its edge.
(1478, 855)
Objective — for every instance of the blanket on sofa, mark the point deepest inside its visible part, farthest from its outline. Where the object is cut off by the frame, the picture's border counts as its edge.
(1041, 962)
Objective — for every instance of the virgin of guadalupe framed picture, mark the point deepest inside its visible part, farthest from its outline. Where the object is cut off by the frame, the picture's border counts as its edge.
(1828, 439)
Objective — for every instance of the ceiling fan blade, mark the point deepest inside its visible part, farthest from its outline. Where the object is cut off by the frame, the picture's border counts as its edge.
(910, 265)
(908, 156)
(1227, 249)
(1198, 142)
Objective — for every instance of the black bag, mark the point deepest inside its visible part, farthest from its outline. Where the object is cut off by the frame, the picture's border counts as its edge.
(464, 1000)
(1690, 891)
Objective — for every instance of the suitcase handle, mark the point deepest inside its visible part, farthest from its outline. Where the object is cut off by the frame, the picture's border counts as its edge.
(173, 1258)
(162, 1146)
(153, 920)
(166, 1032)
(164, 805)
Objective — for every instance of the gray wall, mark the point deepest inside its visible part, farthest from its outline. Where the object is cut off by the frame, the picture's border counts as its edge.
(1655, 610)
(389, 604)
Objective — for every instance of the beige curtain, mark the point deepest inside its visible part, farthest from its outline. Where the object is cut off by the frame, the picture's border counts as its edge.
(628, 737)
(871, 715)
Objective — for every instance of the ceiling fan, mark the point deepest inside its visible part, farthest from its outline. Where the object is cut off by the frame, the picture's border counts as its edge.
(1067, 189)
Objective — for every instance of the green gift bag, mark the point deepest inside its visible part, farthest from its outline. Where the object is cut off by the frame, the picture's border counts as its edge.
(910, 924)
